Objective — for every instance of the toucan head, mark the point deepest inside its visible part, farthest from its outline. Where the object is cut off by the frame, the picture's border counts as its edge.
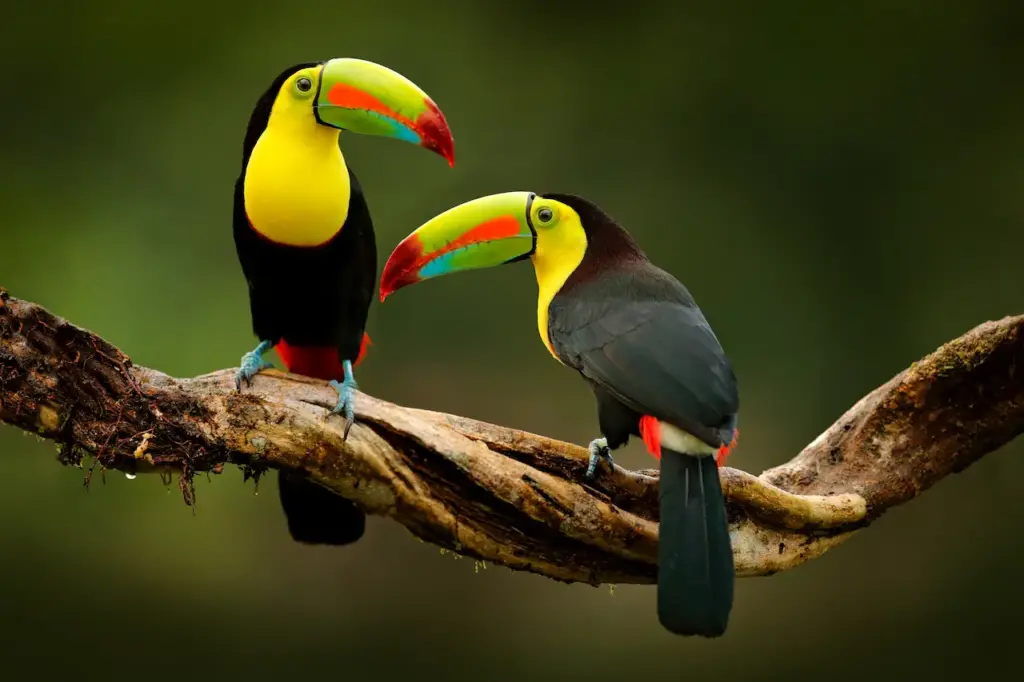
(553, 230)
(358, 96)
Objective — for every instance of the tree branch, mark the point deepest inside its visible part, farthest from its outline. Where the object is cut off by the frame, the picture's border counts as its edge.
(494, 493)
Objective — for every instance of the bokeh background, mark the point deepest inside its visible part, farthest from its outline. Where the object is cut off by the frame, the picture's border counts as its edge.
(839, 185)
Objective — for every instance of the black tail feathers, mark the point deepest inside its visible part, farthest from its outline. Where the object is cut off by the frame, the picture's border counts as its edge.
(696, 574)
(316, 516)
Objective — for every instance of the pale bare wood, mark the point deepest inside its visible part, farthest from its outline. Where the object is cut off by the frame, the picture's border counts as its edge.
(498, 494)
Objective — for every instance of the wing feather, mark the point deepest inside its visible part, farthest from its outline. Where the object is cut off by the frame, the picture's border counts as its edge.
(653, 352)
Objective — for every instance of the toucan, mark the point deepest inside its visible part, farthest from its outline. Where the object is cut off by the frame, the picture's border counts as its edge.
(637, 337)
(305, 241)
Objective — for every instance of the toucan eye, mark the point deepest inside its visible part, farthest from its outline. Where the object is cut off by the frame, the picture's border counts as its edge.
(304, 84)
(545, 215)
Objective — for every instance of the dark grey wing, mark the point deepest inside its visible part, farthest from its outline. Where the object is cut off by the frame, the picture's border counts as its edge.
(658, 357)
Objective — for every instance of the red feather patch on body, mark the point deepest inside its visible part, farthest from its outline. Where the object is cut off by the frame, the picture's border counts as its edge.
(319, 362)
(363, 345)
(724, 451)
(650, 431)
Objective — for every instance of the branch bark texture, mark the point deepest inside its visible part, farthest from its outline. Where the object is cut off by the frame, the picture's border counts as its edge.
(498, 494)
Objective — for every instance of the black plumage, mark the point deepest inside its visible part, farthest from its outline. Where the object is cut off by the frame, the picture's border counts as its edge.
(311, 299)
(636, 335)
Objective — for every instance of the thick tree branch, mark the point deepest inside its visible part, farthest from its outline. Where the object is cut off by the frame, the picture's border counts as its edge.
(498, 494)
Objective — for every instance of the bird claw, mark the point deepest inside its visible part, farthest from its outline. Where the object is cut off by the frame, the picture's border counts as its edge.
(251, 364)
(598, 450)
(346, 402)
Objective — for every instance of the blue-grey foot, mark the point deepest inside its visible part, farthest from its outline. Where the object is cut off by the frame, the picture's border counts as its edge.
(346, 397)
(598, 450)
(252, 363)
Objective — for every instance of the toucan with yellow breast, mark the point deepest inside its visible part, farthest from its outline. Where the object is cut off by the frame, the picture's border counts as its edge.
(637, 337)
(305, 240)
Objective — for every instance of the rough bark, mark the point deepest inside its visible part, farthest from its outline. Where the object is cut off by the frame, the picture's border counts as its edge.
(498, 494)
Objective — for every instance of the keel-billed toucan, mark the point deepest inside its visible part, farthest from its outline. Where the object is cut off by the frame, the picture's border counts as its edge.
(305, 240)
(638, 338)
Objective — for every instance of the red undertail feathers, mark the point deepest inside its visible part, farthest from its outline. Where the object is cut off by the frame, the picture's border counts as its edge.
(650, 431)
(363, 345)
(319, 362)
(724, 451)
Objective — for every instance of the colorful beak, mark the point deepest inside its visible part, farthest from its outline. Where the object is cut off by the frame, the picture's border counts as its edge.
(370, 99)
(481, 233)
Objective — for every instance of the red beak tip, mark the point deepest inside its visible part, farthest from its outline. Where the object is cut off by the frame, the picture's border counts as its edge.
(435, 133)
(448, 151)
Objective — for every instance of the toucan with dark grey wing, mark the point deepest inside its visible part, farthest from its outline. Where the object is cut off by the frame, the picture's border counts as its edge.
(636, 335)
(305, 241)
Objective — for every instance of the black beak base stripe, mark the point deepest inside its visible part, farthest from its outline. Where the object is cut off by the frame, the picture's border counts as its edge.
(316, 96)
(533, 230)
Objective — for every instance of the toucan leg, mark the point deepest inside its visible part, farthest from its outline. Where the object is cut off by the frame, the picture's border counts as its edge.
(598, 450)
(252, 363)
(346, 397)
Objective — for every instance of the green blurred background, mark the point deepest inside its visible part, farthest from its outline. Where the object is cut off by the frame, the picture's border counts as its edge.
(840, 186)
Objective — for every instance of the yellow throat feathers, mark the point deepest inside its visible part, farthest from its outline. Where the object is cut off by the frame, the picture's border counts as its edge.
(297, 186)
(560, 250)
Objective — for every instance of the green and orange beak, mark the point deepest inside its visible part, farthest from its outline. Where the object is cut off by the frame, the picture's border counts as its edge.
(481, 233)
(366, 98)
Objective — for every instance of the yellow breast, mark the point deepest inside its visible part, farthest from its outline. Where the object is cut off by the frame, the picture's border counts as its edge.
(297, 187)
(542, 325)
(559, 252)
